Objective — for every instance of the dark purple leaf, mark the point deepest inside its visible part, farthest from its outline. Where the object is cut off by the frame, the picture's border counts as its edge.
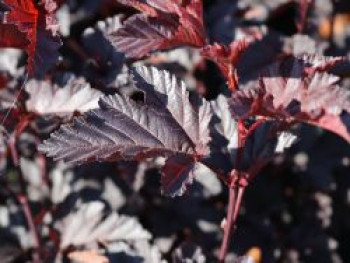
(166, 125)
(109, 62)
(261, 146)
(161, 25)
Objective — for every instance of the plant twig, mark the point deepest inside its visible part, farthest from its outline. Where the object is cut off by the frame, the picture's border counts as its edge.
(235, 200)
(228, 225)
(237, 186)
(22, 199)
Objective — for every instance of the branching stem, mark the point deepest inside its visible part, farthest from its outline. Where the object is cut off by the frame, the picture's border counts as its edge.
(235, 199)
(238, 183)
(228, 225)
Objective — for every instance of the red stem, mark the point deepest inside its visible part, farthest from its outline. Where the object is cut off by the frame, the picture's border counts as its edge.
(21, 126)
(241, 190)
(233, 79)
(235, 195)
(304, 7)
(29, 217)
(235, 200)
(13, 151)
(228, 225)
(255, 126)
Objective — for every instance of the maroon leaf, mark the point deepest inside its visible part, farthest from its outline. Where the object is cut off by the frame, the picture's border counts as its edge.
(298, 90)
(177, 173)
(141, 34)
(167, 124)
(36, 27)
(163, 25)
(227, 58)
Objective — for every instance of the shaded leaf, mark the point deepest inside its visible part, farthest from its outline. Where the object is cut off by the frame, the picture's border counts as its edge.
(109, 61)
(261, 146)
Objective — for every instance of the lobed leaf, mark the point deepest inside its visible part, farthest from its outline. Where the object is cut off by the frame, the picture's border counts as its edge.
(97, 227)
(167, 124)
(141, 34)
(298, 90)
(161, 25)
(47, 98)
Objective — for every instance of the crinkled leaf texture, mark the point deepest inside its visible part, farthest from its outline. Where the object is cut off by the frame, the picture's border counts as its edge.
(88, 225)
(32, 26)
(48, 98)
(166, 124)
(161, 25)
(298, 90)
